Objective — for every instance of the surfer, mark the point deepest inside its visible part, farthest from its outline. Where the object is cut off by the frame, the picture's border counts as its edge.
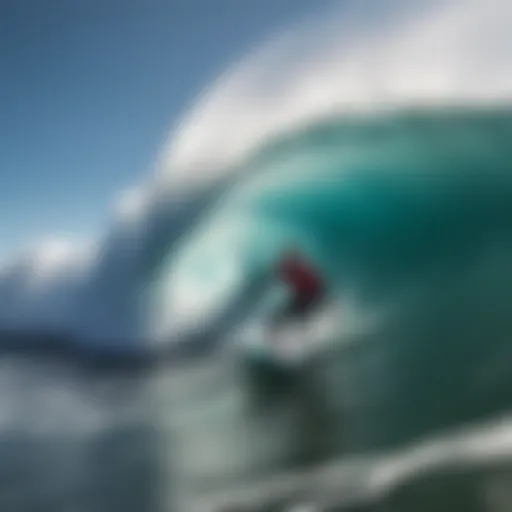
(297, 383)
(306, 286)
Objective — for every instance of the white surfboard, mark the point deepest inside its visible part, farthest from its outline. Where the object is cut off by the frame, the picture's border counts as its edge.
(295, 342)
(292, 343)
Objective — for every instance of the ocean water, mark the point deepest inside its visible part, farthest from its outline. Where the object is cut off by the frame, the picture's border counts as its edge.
(382, 151)
(181, 438)
(408, 215)
(184, 438)
(75, 438)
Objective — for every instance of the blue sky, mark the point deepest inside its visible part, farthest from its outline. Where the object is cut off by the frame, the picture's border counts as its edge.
(89, 90)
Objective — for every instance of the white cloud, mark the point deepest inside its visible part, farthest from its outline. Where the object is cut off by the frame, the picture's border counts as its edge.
(40, 287)
(57, 255)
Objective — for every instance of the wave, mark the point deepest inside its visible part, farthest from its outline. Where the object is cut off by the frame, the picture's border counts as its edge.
(401, 199)
(464, 469)
(297, 116)
(372, 136)
(376, 202)
(407, 214)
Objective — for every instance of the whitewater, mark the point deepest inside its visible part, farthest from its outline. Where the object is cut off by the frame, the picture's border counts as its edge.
(377, 138)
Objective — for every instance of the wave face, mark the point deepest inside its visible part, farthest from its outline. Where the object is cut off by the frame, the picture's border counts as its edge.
(384, 154)
(407, 214)
(336, 136)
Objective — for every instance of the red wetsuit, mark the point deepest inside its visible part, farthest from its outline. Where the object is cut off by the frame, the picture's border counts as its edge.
(305, 283)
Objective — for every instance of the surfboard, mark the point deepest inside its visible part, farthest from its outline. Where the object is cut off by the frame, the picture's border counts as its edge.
(289, 344)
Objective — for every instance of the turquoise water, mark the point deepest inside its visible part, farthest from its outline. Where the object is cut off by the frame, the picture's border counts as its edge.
(380, 193)
(408, 213)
